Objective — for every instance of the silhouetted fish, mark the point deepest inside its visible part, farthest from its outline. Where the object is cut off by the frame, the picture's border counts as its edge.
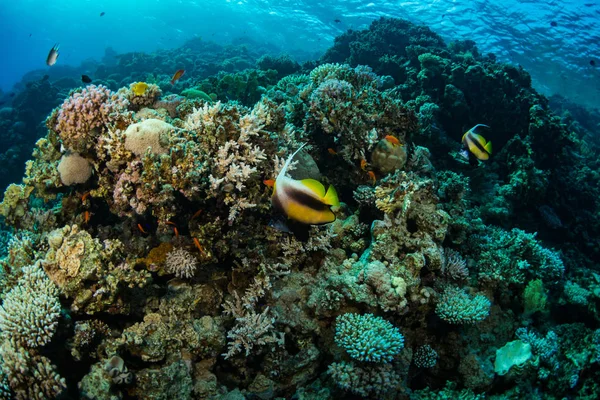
(592, 63)
(86, 79)
(12, 94)
(102, 13)
(45, 78)
(553, 23)
(337, 21)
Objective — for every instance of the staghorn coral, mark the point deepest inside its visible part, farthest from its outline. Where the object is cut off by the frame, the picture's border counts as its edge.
(251, 327)
(30, 311)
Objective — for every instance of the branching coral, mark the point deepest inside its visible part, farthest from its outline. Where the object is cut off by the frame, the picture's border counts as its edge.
(30, 311)
(365, 380)
(457, 307)
(84, 114)
(251, 327)
(181, 263)
(514, 257)
(31, 376)
(368, 338)
(345, 103)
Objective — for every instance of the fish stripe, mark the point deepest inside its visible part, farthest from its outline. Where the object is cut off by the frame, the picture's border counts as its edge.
(476, 148)
(302, 207)
(302, 198)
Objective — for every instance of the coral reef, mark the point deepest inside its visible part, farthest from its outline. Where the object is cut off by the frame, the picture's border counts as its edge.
(142, 247)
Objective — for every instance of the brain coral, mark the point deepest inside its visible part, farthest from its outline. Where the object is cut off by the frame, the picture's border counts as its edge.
(368, 338)
(150, 134)
(74, 169)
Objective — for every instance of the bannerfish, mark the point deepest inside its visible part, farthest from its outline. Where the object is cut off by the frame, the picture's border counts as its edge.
(305, 201)
(476, 144)
(52, 55)
(86, 79)
(177, 75)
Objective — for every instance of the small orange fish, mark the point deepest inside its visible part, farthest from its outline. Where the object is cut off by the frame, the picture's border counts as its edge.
(332, 151)
(177, 75)
(363, 164)
(176, 232)
(141, 229)
(197, 214)
(170, 223)
(86, 217)
(269, 182)
(197, 243)
(393, 140)
(85, 196)
(372, 177)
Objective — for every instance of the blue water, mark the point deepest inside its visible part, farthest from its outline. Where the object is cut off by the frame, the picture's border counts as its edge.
(521, 32)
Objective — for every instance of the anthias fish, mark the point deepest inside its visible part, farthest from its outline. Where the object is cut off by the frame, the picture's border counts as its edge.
(177, 75)
(305, 201)
(477, 144)
(52, 55)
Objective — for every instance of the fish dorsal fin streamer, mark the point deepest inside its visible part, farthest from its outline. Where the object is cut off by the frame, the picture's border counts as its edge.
(287, 162)
(315, 186)
(331, 197)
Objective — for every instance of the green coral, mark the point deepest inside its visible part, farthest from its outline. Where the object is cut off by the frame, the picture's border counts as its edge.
(457, 307)
(368, 338)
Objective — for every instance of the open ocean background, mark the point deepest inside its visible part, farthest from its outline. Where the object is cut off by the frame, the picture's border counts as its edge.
(521, 32)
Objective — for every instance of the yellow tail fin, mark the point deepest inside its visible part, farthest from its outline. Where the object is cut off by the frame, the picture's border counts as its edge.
(488, 147)
(331, 197)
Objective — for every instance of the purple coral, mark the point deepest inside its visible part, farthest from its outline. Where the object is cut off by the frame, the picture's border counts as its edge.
(85, 112)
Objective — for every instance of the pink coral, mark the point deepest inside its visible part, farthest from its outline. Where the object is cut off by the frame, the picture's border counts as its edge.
(84, 113)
